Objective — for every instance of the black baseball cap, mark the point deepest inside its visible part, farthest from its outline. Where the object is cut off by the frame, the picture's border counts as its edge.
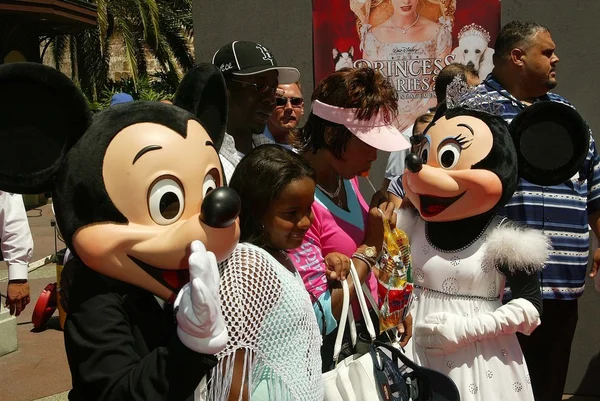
(249, 58)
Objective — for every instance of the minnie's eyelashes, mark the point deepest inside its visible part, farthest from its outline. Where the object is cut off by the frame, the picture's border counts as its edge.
(462, 141)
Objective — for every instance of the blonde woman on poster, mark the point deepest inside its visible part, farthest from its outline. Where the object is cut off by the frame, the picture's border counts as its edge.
(409, 40)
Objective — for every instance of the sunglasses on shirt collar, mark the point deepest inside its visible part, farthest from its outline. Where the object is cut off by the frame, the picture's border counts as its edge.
(281, 101)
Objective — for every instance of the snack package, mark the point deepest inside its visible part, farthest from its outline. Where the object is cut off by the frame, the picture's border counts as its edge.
(394, 284)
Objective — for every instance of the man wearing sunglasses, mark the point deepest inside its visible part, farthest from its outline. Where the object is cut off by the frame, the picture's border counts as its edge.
(289, 109)
(252, 76)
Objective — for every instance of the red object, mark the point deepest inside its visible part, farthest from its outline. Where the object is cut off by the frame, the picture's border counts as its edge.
(44, 307)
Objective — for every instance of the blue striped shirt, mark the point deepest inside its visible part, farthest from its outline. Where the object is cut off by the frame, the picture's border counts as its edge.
(561, 211)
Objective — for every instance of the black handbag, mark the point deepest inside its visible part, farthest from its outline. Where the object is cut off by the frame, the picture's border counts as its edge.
(400, 379)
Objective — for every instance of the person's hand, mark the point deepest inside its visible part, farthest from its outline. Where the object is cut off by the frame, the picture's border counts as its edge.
(374, 227)
(406, 203)
(405, 330)
(595, 263)
(441, 333)
(200, 323)
(17, 296)
(338, 266)
(379, 198)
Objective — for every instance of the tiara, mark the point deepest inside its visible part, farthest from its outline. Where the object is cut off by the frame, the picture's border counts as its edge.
(474, 30)
(459, 94)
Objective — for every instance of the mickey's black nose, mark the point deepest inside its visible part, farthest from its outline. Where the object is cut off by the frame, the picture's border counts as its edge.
(413, 163)
(220, 207)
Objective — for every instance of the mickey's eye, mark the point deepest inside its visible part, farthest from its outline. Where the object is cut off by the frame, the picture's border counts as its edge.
(448, 155)
(424, 154)
(166, 201)
(210, 183)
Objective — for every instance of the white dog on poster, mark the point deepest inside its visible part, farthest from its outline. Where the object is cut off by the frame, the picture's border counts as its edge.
(473, 49)
(343, 59)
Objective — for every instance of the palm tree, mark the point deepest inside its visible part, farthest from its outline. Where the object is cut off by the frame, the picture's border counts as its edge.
(161, 28)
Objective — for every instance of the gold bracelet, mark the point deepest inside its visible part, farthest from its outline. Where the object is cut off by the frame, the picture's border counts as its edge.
(368, 261)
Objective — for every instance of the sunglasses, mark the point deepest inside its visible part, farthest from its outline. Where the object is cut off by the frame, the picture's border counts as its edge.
(260, 88)
(416, 139)
(281, 101)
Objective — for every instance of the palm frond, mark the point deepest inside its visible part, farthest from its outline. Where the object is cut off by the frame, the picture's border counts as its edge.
(103, 24)
(59, 49)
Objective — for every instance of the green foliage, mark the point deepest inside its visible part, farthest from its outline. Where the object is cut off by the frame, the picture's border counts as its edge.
(161, 28)
(147, 88)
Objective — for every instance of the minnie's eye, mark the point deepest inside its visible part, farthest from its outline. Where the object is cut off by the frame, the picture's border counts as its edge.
(210, 183)
(448, 155)
(166, 201)
(424, 154)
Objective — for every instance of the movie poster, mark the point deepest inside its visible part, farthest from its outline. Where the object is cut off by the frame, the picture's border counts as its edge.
(410, 41)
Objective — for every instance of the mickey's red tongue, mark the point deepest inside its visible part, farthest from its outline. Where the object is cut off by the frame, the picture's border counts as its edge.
(176, 279)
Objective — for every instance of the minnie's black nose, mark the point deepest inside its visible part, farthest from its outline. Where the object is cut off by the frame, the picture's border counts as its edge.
(220, 207)
(413, 163)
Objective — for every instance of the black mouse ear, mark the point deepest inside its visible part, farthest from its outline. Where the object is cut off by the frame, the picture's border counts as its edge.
(552, 142)
(42, 114)
(203, 92)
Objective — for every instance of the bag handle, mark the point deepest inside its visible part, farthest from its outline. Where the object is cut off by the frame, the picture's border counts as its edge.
(369, 296)
(342, 323)
(347, 312)
(361, 301)
(352, 327)
(397, 354)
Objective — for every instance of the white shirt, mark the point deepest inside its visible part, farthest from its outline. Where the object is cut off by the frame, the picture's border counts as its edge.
(230, 156)
(270, 136)
(395, 164)
(16, 240)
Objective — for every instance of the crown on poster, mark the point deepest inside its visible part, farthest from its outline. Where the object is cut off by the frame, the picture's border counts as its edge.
(460, 94)
(474, 30)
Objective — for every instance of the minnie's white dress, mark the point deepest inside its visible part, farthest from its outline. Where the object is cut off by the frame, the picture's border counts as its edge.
(466, 283)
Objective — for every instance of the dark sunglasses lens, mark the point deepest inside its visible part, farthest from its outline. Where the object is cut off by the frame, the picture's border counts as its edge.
(280, 101)
(296, 101)
(416, 139)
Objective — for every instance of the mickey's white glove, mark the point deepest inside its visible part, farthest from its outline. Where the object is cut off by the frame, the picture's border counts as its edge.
(200, 324)
(444, 333)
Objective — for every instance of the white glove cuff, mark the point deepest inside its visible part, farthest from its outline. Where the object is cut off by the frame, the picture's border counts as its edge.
(210, 345)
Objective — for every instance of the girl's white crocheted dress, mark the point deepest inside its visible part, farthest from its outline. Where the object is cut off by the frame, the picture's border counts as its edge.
(270, 316)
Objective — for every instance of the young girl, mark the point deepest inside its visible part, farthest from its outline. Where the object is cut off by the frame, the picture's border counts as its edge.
(274, 340)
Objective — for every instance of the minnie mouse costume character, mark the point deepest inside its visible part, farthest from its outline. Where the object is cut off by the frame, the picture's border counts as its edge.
(464, 168)
(138, 196)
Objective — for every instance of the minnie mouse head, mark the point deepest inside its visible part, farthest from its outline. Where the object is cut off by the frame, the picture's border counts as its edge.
(468, 160)
(134, 185)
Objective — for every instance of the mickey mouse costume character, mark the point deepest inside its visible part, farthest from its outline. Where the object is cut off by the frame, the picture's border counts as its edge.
(465, 167)
(139, 200)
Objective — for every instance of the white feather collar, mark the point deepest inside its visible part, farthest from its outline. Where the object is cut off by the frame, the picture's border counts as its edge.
(516, 247)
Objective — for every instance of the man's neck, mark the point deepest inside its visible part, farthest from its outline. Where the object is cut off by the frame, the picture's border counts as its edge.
(242, 138)
(511, 83)
(280, 135)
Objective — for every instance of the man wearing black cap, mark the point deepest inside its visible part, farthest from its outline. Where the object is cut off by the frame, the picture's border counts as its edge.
(252, 76)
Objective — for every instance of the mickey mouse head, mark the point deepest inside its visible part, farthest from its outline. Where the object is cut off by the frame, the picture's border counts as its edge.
(132, 187)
